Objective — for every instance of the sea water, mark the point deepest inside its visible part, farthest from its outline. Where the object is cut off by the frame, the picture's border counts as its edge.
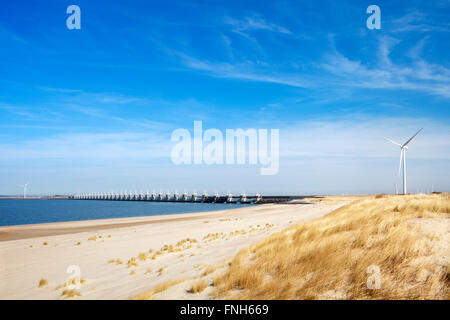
(17, 212)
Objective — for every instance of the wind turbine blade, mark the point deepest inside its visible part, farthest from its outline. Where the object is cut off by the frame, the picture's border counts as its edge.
(400, 165)
(396, 143)
(406, 143)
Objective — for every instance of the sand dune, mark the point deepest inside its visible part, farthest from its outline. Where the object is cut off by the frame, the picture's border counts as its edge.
(400, 245)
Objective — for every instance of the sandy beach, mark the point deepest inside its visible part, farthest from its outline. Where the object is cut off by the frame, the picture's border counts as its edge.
(122, 258)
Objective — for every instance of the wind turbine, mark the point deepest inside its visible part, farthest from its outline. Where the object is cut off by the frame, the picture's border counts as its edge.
(403, 148)
(24, 189)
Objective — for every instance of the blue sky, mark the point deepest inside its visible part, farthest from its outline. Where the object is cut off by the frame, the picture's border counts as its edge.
(93, 109)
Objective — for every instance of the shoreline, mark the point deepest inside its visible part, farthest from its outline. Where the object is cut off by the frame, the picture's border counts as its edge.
(33, 230)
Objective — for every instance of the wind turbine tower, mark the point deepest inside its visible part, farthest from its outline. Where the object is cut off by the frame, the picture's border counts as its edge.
(25, 189)
(403, 148)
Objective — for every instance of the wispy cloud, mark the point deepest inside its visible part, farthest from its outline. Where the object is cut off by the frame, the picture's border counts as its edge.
(243, 71)
(349, 137)
(419, 75)
(10, 35)
(357, 136)
(415, 21)
(338, 71)
(90, 146)
(24, 113)
(253, 23)
(59, 90)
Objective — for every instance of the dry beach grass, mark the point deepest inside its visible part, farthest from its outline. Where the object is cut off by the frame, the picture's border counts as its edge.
(407, 237)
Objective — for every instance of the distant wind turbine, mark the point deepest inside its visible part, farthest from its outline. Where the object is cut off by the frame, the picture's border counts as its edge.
(403, 148)
(24, 189)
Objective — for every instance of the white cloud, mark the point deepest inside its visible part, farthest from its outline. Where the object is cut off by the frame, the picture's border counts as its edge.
(316, 157)
(96, 147)
(242, 71)
(338, 71)
(363, 137)
(415, 21)
(254, 23)
(419, 75)
(350, 138)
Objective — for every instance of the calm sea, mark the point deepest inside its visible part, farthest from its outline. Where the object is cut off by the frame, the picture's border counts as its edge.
(15, 212)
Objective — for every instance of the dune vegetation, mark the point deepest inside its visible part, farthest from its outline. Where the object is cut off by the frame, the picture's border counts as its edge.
(159, 288)
(43, 283)
(406, 238)
(198, 286)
